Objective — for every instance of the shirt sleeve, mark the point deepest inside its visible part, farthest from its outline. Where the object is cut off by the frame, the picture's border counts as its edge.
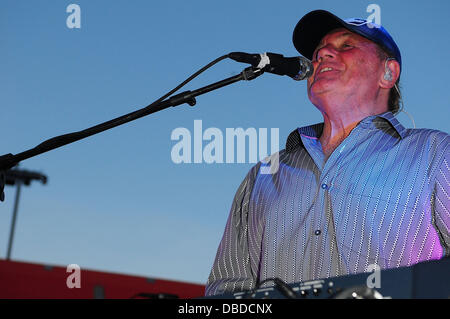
(442, 200)
(231, 270)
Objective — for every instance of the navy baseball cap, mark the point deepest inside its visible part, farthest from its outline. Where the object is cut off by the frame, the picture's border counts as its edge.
(310, 30)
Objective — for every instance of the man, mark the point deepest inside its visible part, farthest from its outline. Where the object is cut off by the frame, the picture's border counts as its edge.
(357, 190)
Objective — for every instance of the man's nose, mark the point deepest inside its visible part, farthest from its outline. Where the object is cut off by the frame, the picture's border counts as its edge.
(325, 52)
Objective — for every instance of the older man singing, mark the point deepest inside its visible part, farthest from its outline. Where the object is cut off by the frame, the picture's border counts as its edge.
(354, 191)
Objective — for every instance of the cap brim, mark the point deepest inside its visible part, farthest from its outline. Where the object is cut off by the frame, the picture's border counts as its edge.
(310, 30)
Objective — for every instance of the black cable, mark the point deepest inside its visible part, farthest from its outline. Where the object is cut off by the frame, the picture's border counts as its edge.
(189, 79)
(280, 285)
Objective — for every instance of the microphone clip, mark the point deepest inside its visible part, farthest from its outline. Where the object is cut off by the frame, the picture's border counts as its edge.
(251, 73)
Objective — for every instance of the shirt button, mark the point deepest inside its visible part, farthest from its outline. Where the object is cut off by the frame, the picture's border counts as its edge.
(324, 186)
(317, 232)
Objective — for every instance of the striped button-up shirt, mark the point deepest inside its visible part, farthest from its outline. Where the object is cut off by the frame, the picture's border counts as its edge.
(381, 198)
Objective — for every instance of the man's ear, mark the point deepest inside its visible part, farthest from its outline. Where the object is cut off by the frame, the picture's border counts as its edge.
(390, 75)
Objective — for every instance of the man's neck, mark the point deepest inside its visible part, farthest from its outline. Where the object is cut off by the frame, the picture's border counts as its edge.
(339, 124)
(342, 114)
(334, 132)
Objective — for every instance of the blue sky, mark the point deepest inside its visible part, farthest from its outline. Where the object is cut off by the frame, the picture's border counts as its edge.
(116, 201)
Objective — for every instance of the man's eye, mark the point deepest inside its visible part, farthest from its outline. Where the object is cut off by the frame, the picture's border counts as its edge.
(346, 46)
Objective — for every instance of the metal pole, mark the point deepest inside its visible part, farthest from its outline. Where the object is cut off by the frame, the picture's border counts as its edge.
(13, 222)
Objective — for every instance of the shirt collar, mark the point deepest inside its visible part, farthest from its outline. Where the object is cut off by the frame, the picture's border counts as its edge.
(390, 118)
(315, 131)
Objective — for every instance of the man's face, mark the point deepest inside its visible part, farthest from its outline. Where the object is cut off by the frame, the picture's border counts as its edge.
(345, 64)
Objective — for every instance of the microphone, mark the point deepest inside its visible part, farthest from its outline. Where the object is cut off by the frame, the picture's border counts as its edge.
(298, 68)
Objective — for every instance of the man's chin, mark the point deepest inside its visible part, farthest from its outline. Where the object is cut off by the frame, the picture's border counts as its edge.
(321, 86)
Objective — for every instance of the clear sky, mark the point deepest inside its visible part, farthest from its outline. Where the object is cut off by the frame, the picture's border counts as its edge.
(116, 201)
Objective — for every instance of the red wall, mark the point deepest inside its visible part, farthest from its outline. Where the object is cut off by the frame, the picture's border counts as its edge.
(26, 280)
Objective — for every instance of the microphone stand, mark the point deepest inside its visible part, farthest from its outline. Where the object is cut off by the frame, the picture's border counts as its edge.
(8, 161)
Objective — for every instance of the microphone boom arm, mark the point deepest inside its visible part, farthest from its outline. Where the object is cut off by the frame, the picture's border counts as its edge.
(8, 161)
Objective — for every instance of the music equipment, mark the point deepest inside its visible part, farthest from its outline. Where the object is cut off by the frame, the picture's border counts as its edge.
(424, 280)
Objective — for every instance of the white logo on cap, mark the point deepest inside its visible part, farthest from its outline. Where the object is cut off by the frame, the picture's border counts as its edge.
(360, 22)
